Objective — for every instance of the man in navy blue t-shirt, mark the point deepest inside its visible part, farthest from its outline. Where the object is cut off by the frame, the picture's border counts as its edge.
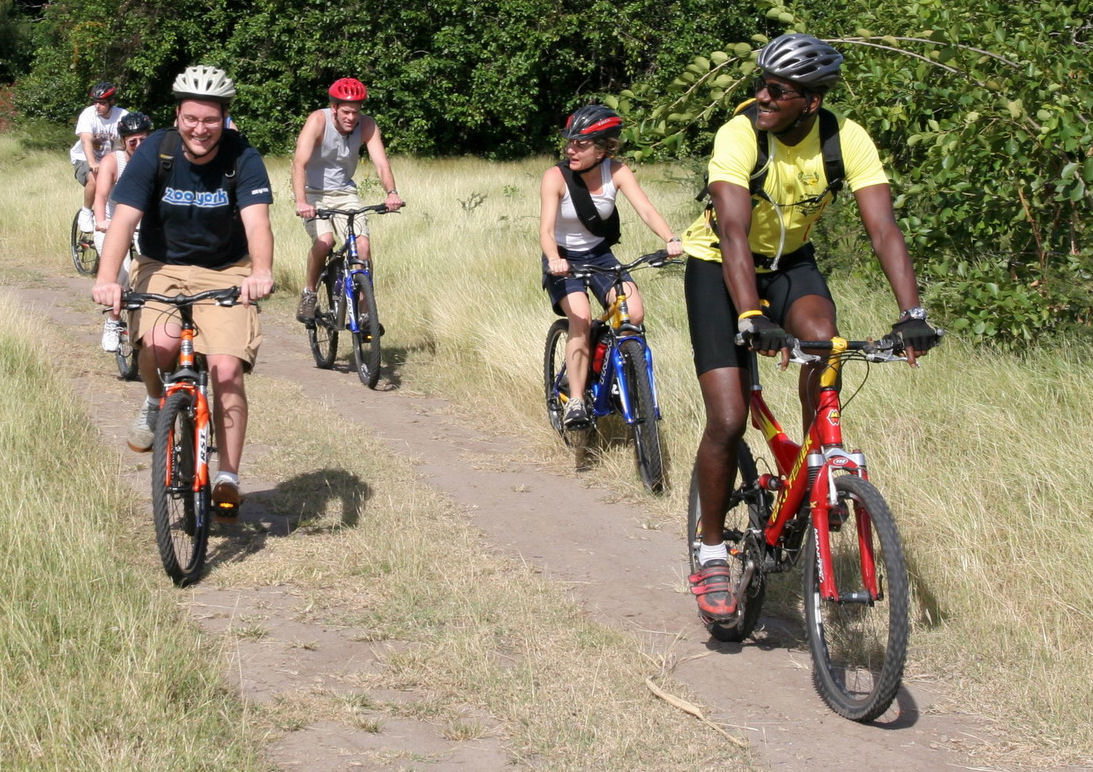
(199, 230)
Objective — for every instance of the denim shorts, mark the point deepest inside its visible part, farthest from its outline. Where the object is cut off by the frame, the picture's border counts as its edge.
(600, 284)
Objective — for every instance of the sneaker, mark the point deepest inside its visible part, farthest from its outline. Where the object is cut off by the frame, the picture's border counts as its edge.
(143, 429)
(111, 335)
(575, 414)
(226, 499)
(87, 221)
(362, 324)
(712, 584)
(305, 311)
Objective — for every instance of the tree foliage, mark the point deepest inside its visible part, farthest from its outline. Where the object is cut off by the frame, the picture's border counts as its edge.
(983, 114)
(489, 77)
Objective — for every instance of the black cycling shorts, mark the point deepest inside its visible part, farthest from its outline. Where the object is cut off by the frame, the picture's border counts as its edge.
(711, 315)
(600, 283)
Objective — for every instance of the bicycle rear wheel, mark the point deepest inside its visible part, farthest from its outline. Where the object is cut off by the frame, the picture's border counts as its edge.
(743, 529)
(322, 334)
(858, 645)
(555, 382)
(366, 343)
(646, 427)
(180, 514)
(84, 255)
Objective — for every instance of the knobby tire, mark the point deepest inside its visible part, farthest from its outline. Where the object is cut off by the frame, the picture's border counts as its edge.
(751, 513)
(858, 649)
(366, 343)
(180, 514)
(553, 363)
(84, 255)
(322, 335)
(126, 356)
(646, 428)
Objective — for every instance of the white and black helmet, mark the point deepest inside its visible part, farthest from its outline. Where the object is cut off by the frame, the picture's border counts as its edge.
(201, 82)
(802, 59)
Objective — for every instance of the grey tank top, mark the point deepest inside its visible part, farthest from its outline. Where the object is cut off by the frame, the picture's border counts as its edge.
(334, 160)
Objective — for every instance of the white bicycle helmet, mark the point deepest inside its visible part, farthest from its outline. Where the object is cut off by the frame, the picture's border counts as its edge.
(801, 59)
(201, 82)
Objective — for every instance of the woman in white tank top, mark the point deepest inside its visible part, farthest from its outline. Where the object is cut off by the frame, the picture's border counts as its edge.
(592, 140)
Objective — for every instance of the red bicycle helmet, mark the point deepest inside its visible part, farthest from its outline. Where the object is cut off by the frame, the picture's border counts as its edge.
(103, 90)
(348, 90)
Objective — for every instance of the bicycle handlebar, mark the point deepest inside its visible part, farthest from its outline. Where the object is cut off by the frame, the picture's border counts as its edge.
(227, 296)
(327, 214)
(657, 259)
(887, 348)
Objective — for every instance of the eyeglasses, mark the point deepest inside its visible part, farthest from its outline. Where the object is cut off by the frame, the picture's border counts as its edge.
(776, 91)
(581, 144)
(134, 142)
(191, 121)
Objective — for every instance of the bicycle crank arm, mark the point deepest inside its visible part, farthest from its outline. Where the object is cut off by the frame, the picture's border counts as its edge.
(858, 597)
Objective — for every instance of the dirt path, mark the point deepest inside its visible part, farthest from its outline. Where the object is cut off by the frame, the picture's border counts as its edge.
(625, 575)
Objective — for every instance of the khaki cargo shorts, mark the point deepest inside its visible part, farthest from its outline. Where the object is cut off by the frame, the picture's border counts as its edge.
(334, 199)
(235, 330)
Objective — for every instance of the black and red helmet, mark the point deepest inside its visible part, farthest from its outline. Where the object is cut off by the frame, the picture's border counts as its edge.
(103, 90)
(134, 123)
(347, 90)
(592, 122)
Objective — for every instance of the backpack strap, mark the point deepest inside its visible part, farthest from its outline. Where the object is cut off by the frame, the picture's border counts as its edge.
(608, 229)
(168, 150)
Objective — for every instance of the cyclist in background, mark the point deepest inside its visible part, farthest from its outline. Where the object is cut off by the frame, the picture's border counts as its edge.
(592, 139)
(327, 151)
(752, 247)
(200, 230)
(97, 129)
(133, 129)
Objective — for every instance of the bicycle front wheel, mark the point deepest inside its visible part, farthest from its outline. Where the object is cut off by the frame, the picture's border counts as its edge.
(366, 342)
(322, 334)
(180, 513)
(126, 356)
(554, 378)
(646, 428)
(84, 255)
(858, 643)
(743, 530)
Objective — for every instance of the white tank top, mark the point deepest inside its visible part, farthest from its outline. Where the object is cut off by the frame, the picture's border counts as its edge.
(123, 161)
(334, 160)
(569, 231)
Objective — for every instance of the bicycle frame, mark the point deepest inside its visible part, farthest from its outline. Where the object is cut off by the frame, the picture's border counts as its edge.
(348, 262)
(188, 376)
(617, 327)
(805, 471)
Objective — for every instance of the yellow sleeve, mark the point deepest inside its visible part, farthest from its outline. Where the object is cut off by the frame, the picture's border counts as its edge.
(734, 152)
(860, 157)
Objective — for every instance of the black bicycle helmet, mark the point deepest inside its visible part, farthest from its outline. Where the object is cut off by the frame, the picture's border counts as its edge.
(802, 59)
(103, 90)
(134, 123)
(592, 122)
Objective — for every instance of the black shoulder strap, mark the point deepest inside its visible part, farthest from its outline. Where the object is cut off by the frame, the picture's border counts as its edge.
(608, 229)
(168, 149)
(830, 149)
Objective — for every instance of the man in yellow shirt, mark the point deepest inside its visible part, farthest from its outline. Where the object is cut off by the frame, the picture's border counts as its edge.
(752, 247)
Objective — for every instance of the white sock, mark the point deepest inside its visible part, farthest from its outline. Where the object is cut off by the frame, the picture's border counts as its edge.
(706, 553)
(231, 477)
(152, 401)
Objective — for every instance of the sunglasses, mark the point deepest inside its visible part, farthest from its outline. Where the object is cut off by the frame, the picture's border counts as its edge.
(776, 91)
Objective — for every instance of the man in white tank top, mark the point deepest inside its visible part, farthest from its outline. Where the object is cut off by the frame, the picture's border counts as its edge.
(327, 151)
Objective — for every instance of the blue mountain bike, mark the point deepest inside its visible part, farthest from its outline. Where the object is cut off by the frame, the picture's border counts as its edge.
(620, 378)
(347, 301)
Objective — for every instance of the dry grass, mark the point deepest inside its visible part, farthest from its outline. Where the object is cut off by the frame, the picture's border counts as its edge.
(982, 458)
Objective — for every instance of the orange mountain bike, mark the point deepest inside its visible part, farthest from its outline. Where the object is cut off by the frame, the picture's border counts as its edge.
(820, 504)
(183, 442)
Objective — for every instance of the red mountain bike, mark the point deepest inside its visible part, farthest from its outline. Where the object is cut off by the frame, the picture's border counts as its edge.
(820, 504)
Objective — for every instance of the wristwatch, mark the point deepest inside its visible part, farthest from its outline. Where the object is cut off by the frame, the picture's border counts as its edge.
(393, 191)
(918, 312)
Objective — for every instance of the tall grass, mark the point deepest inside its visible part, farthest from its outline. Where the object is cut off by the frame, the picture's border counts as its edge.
(98, 671)
(982, 456)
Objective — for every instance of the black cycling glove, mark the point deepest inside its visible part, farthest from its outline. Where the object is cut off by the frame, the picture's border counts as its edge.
(761, 334)
(918, 334)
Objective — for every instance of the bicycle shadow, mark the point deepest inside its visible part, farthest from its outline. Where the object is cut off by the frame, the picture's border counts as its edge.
(315, 502)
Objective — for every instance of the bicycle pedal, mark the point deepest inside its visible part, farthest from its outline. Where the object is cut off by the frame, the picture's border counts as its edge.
(225, 512)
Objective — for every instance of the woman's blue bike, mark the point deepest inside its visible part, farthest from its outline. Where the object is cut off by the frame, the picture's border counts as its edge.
(620, 378)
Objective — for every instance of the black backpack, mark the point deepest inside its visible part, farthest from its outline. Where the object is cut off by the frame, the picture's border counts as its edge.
(830, 148)
(168, 149)
(608, 229)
